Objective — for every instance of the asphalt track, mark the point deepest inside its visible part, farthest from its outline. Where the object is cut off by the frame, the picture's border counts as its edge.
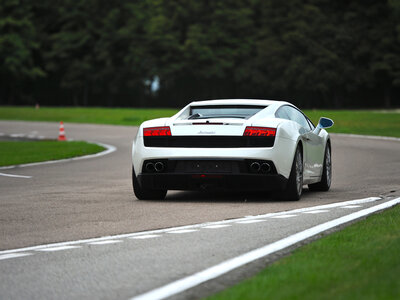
(91, 198)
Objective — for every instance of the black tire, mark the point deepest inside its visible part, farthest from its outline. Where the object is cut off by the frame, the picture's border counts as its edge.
(294, 187)
(145, 194)
(326, 178)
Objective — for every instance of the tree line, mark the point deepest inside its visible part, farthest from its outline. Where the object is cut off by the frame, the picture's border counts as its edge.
(315, 53)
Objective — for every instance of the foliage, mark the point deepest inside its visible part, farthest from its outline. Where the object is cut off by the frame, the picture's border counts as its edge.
(18, 45)
(320, 53)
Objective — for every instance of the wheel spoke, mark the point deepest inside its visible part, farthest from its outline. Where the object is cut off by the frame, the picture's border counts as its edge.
(299, 172)
(328, 166)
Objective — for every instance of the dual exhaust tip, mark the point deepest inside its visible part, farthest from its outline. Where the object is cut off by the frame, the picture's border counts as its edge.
(256, 167)
(152, 167)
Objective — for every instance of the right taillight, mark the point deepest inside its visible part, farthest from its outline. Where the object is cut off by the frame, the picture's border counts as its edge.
(259, 131)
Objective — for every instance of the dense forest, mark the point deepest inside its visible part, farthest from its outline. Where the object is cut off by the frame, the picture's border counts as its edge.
(165, 53)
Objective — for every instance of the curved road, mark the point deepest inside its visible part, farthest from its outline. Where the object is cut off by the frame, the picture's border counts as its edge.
(76, 202)
(93, 198)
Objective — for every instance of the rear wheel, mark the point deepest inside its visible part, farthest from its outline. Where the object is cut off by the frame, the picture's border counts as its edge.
(294, 187)
(326, 177)
(146, 194)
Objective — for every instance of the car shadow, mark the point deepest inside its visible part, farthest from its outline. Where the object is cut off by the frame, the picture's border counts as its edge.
(227, 196)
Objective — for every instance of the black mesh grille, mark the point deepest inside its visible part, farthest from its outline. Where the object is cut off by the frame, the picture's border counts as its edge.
(208, 141)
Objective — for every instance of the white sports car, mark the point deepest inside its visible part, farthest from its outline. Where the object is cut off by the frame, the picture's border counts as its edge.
(232, 144)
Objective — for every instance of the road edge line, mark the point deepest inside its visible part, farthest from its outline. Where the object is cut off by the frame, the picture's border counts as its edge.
(370, 137)
(196, 279)
(199, 225)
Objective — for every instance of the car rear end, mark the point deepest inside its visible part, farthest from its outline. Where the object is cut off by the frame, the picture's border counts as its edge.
(227, 152)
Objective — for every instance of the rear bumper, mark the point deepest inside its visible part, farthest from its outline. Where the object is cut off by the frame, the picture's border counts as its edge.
(174, 181)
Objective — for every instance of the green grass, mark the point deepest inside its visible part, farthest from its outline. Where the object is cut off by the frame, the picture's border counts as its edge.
(367, 122)
(116, 116)
(360, 262)
(13, 153)
(384, 123)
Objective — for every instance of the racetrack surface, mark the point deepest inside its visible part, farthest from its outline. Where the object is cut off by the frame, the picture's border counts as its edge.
(93, 197)
(90, 198)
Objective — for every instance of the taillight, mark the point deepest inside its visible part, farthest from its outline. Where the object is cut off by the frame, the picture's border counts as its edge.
(157, 131)
(259, 131)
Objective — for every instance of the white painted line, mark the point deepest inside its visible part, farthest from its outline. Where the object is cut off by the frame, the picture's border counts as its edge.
(16, 176)
(14, 255)
(16, 135)
(159, 231)
(320, 211)
(51, 249)
(216, 226)
(146, 236)
(236, 262)
(370, 137)
(351, 206)
(109, 149)
(105, 242)
(250, 221)
(284, 216)
(183, 231)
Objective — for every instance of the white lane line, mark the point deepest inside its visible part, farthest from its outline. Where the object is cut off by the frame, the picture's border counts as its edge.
(351, 206)
(109, 149)
(320, 211)
(284, 216)
(250, 221)
(216, 226)
(60, 248)
(105, 242)
(160, 231)
(16, 176)
(146, 236)
(14, 255)
(371, 137)
(236, 262)
(16, 135)
(183, 231)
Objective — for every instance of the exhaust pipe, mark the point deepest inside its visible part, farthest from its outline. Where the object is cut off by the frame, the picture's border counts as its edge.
(159, 166)
(265, 168)
(255, 167)
(150, 167)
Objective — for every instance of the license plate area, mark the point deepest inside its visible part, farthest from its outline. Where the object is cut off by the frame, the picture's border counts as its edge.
(206, 166)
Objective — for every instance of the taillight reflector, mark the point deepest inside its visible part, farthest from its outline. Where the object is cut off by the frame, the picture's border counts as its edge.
(259, 131)
(157, 131)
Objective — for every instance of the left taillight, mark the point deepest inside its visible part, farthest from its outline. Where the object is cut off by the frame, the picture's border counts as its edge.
(157, 131)
(259, 131)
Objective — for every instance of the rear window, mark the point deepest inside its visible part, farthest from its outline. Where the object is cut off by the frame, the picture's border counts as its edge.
(224, 111)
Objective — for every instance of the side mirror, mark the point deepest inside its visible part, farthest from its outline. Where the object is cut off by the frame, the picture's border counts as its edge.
(323, 123)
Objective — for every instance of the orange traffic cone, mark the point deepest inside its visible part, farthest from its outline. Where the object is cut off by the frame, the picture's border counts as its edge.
(61, 135)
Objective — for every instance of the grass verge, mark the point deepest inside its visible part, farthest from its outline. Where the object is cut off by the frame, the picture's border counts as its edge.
(115, 116)
(13, 153)
(359, 262)
(366, 122)
(383, 123)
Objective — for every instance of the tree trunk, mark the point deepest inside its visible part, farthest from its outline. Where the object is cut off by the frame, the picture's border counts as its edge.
(85, 95)
(337, 103)
(387, 95)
